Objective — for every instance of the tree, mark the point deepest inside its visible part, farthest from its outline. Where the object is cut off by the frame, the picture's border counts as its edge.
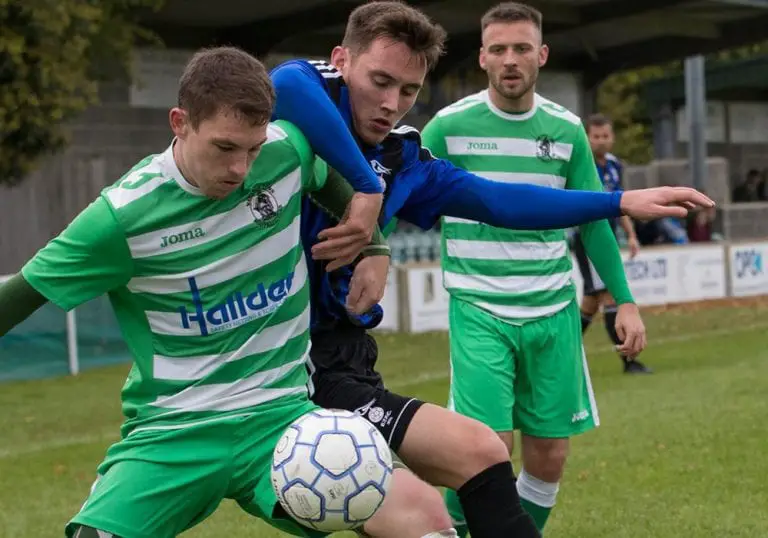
(619, 98)
(53, 54)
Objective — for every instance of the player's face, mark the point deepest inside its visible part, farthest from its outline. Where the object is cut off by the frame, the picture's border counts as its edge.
(216, 156)
(601, 139)
(511, 55)
(384, 82)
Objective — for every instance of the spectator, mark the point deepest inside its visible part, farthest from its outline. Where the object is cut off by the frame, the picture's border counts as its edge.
(661, 231)
(700, 225)
(752, 190)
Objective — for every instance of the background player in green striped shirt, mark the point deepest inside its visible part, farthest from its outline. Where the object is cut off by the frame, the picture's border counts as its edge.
(515, 333)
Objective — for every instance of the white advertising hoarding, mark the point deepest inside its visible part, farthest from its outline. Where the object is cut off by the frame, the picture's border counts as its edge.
(425, 299)
(748, 271)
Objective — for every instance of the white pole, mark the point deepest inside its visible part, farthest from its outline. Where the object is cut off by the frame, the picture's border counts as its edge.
(74, 363)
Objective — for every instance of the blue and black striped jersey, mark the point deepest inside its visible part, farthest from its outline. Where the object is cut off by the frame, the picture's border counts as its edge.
(417, 187)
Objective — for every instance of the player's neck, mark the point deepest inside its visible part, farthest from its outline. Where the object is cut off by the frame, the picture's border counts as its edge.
(181, 165)
(520, 105)
(600, 159)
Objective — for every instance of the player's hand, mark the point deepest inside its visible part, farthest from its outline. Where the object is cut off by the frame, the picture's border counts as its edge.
(343, 243)
(660, 202)
(368, 283)
(631, 330)
(634, 247)
(364, 211)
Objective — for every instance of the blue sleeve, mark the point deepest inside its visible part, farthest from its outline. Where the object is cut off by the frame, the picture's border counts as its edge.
(442, 189)
(302, 99)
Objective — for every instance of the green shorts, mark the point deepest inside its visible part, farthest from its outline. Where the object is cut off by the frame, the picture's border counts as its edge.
(158, 483)
(531, 377)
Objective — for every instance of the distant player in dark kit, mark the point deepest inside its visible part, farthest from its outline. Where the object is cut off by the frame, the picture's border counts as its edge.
(610, 170)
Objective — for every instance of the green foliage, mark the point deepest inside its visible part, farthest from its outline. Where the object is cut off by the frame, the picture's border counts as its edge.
(52, 56)
(742, 53)
(619, 97)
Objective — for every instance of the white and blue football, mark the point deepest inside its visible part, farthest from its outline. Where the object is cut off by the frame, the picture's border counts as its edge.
(331, 470)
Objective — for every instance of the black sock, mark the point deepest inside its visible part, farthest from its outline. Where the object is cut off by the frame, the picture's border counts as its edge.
(586, 320)
(492, 506)
(609, 316)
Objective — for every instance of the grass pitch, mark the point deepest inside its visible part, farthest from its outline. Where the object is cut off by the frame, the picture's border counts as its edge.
(680, 453)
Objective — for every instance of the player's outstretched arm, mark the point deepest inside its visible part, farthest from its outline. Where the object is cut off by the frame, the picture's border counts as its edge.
(18, 301)
(451, 191)
(446, 190)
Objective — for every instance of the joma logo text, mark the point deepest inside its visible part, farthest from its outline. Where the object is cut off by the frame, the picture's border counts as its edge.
(486, 146)
(181, 237)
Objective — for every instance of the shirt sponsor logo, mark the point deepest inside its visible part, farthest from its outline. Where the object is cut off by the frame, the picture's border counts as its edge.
(238, 309)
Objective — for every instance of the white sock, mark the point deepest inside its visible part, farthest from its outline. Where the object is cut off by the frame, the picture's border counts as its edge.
(448, 533)
(537, 491)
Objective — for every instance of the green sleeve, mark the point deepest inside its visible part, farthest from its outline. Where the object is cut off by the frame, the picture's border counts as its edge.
(390, 227)
(314, 171)
(334, 197)
(432, 138)
(598, 238)
(18, 301)
(89, 258)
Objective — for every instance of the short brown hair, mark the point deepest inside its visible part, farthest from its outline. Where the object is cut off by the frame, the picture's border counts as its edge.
(399, 22)
(598, 120)
(511, 12)
(226, 78)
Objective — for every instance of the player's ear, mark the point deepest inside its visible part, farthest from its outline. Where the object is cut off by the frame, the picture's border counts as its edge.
(543, 55)
(179, 121)
(481, 58)
(340, 58)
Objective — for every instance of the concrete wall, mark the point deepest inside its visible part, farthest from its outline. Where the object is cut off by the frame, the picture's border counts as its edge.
(737, 221)
(741, 158)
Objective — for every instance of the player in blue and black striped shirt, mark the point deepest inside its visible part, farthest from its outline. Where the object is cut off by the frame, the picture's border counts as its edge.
(348, 110)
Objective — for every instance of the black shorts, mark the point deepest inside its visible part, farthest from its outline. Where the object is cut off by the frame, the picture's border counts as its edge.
(344, 377)
(593, 284)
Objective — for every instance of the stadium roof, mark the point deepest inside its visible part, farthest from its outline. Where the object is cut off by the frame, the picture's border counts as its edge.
(733, 80)
(596, 37)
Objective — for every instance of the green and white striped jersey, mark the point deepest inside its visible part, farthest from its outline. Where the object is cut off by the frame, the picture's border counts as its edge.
(212, 296)
(515, 275)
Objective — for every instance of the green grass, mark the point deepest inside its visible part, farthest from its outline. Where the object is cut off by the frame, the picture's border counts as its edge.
(678, 454)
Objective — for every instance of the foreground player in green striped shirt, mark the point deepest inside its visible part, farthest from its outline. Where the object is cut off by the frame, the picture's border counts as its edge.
(515, 331)
(199, 250)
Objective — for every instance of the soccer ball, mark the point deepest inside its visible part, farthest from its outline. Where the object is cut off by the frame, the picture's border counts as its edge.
(331, 470)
